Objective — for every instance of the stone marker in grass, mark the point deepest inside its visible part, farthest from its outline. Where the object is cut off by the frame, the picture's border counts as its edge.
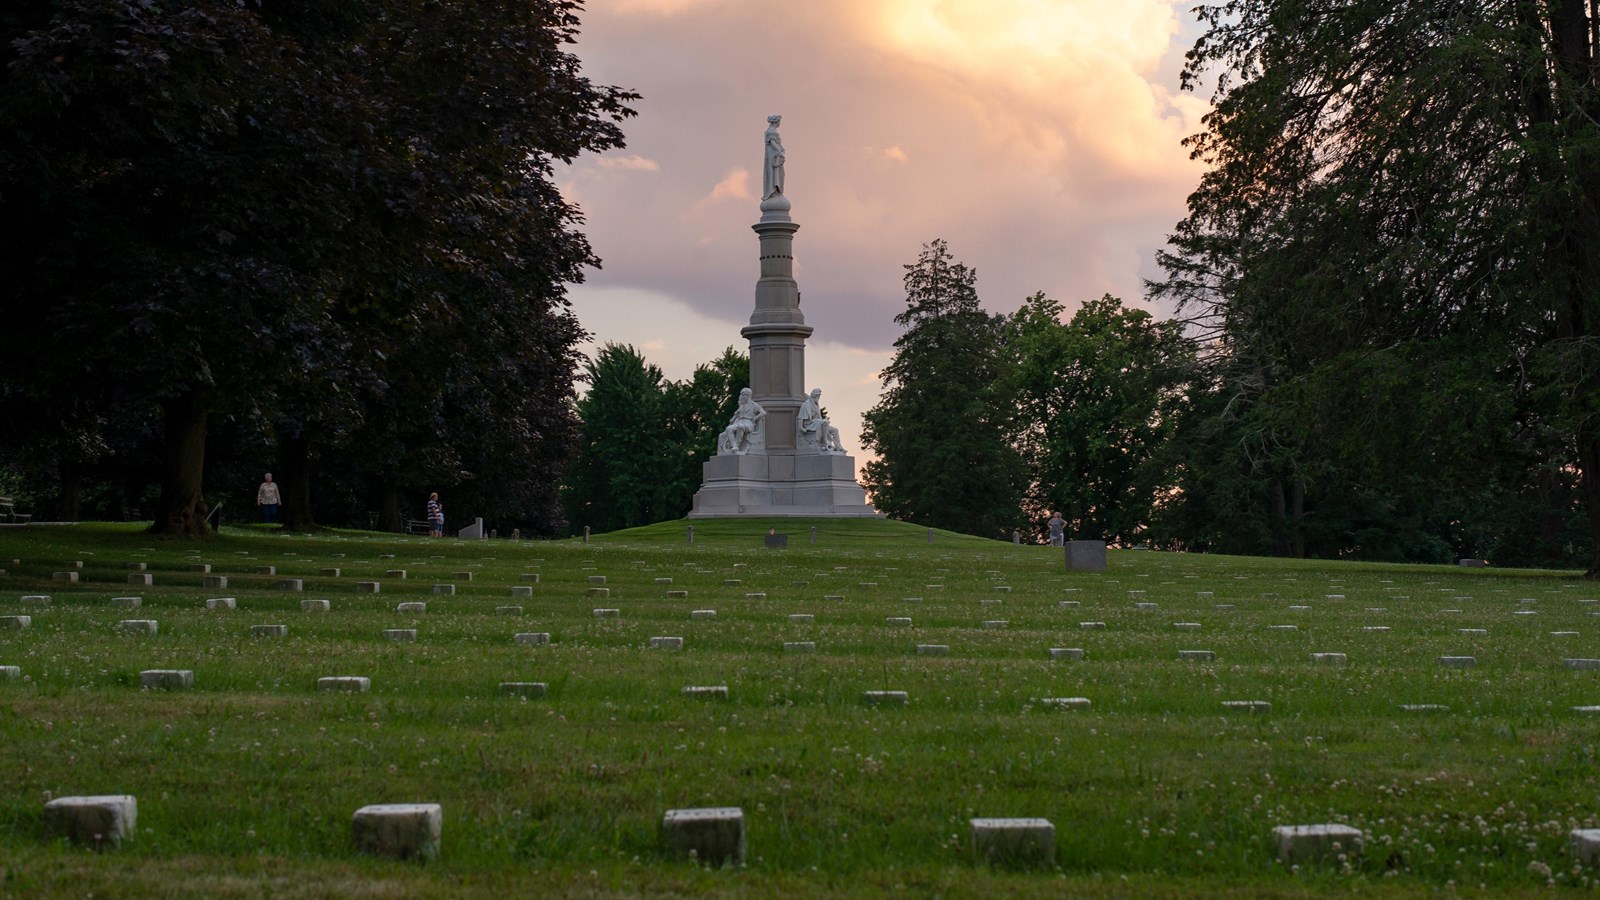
(1066, 702)
(1424, 707)
(1186, 626)
(1312, 844)
(67, 577)
(447, 590)
(267, 631)
(35, 600)
(1146, 604)
(9, 673)
(398, 830)
(99, 822)
(508, 610)
(1458, 662)
(1092, 626)
(292, 585)
(400, 635)
(204, 568)
(214, 582)
(607, 613)
(412, 607)
(599, 593)
(523, 688)
(1225, 607)
(142, 579)
(135, 566)
(368, 587)
(137, 626)
(677, 595)
(1197, 655)
(1581, 663)
(1066, 653)
(315, 605)
(222, 603)
(166, 679)
(713, 836)
(1283, 627)
(1374, 628)
(933, 649)
(395, 573)
(663, 581)
(707, 691)
(897, 621)
(997, 624)
(833, 596)
(1067, 604)
(266, 570)
(1013, 842)
(702, 614)
(522, 590)
(666, 643)
(799, 646)
(596, 580)
(1086, 556)
(1329, 659)
(351, 684)
(801, 618)
(532, 638)
(885, 698)
(1249, 706)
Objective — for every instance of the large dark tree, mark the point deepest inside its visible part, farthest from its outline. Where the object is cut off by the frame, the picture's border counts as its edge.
(269, 210)
(944, 458)
(1391, 186)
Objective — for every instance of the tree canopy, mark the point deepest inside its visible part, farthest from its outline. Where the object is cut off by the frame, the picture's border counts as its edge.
(329, 223)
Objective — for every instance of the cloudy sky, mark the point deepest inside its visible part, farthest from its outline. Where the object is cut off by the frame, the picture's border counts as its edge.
(1039, 138)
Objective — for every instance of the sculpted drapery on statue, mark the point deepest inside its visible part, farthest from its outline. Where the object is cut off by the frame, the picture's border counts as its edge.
(812, 430)
(745, 431)
(772, 170)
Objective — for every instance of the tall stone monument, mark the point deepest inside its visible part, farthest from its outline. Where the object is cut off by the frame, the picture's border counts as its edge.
(778, 456)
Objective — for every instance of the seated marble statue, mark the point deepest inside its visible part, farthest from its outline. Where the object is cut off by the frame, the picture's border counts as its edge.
(745, 429)
(812, 430)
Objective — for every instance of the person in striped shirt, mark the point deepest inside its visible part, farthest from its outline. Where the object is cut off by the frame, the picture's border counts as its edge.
(435, 515)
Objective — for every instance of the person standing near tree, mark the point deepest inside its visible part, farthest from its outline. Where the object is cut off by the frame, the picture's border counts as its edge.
(435, 515)
(267, 500)
(1058, 529)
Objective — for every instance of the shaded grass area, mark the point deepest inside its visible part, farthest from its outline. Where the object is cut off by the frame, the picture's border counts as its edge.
(246, 784)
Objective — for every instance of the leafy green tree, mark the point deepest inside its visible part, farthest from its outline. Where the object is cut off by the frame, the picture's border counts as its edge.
(616, 481)
(1096, 400)
(1390, 184)
(940, 427)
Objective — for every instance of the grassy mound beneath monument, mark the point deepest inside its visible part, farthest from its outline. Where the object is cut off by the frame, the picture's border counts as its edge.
(246, 783)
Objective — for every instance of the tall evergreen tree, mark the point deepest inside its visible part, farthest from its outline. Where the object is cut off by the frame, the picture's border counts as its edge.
(939, 429)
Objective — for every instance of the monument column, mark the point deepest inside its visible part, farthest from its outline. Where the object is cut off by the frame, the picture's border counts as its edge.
(766, 469)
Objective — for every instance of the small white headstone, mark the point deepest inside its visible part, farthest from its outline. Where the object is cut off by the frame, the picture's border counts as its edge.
(1092, 626)
(142, 579)
(1329, 659)
(265, 631)
(532, 638)
(315, 605)
(1066, 653)
(933, 649)
(412, 607)
(996, 624)
(799, 646)
(885, 698)
(222, 603)
(522, 590)
(1251, 706)
(801, 618)
(100, 822)
(402, 635)
(398, 830)
(214, 582)
(1013, 841)
(1458, 662)
(1197, 655)
(1304, 844)
(710, 691)
(166, 679)
(368, 587)
(607, 613)
(666, 643)
(523, 688)
(712, 836)
(898, 621)
(1581, 663)
(702, 614)
(1065, 702)
(353, 684)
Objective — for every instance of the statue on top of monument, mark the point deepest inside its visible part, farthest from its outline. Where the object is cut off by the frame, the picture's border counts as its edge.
(812, 430)
(744, 432)
(772, 169)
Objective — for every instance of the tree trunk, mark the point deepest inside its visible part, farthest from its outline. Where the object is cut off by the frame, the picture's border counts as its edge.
(390, 518)
(70, 502)
(1279, 517)
(294, 482)
(181, 510)
(1297, 515)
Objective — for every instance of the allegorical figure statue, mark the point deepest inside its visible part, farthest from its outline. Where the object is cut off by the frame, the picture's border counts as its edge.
(812, 430)
(744, 431)
(772, 170)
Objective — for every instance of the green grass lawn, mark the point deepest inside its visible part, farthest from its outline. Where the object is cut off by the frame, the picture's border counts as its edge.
(246, 783)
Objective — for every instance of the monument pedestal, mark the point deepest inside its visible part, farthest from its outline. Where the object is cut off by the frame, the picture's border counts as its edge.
(781, 484)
